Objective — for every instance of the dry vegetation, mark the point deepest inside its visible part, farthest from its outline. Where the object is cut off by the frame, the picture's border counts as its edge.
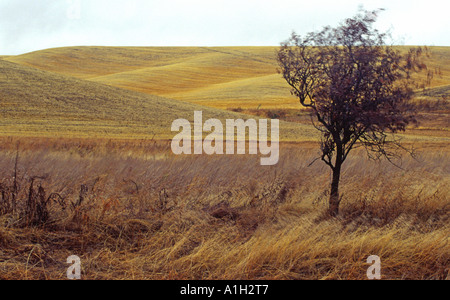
(131, 210)
(86, 169)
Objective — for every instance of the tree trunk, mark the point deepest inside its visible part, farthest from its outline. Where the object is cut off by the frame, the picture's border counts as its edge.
(333, 209)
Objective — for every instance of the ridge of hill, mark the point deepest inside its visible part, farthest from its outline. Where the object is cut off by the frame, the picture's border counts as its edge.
(221, 77)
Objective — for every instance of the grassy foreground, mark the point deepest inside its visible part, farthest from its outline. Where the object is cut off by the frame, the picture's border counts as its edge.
(131, 210)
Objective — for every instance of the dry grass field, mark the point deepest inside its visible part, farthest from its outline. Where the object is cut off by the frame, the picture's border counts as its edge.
(86, 169)
(146, 214)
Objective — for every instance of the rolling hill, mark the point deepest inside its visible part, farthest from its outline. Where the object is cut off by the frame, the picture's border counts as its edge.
(182, 73)
(222, 77)
(41, 103)
(137, 92)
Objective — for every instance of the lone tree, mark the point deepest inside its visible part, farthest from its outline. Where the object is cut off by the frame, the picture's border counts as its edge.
(355, 85)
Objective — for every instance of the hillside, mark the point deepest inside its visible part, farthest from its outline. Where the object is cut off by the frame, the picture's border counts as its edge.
(41, 103)
(222, 77)
(197, 75)
(134, 92)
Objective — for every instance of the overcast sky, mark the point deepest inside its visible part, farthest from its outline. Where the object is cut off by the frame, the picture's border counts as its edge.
(28, 25)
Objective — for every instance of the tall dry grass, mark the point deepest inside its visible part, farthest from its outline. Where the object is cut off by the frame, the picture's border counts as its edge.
(135, 211)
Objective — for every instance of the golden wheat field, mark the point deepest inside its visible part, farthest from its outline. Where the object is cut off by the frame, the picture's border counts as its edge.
(86, 169)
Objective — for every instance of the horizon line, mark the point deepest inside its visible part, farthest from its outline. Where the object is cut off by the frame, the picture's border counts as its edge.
(183, 46)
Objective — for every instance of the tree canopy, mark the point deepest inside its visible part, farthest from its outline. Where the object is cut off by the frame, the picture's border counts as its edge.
(356, 86)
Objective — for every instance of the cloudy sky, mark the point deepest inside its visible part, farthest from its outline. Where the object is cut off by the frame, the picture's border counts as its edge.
(28, 25)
